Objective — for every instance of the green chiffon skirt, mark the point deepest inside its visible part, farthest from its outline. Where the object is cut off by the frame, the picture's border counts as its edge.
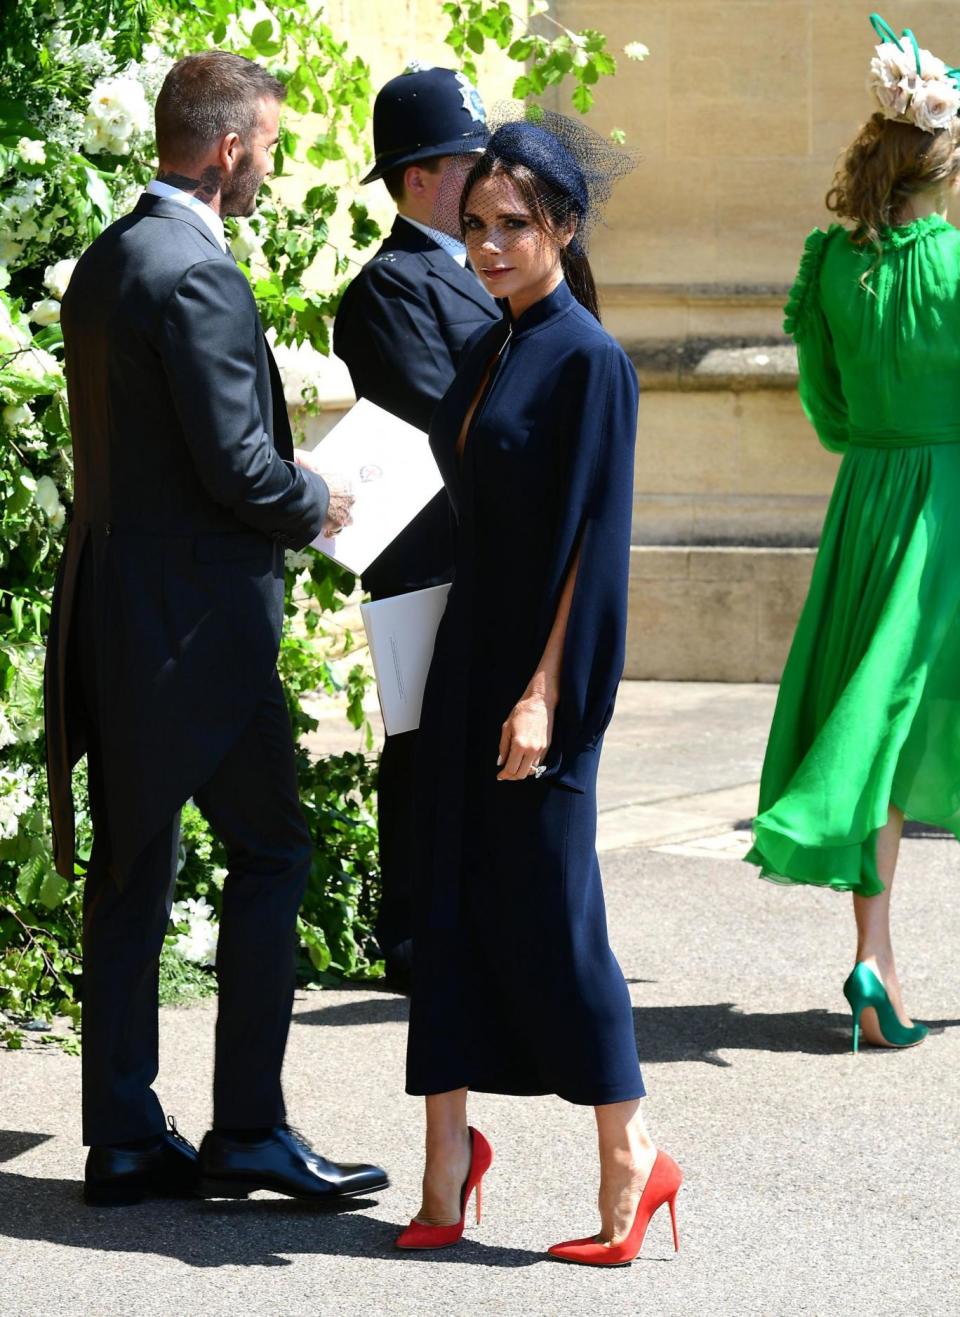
(869, 708)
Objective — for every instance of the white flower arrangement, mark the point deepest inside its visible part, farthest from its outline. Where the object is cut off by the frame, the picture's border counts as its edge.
(117, 114)
(17, 415)
(16, 799)
(47, 498)
(925, 96)
(298, 561)
(31, 152)
(198, 943)
(56, 277)
(45, 312)
(245, 244)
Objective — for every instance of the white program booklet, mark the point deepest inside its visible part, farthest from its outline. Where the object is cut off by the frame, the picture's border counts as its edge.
(393, 475)
(402, 631)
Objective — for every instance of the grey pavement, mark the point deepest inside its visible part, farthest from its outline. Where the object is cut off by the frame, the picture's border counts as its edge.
(817, 1182)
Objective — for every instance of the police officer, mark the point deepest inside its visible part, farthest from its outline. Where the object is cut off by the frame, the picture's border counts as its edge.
(400, 329)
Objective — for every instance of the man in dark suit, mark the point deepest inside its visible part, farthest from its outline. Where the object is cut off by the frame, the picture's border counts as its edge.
(400, 329)
(161, 663)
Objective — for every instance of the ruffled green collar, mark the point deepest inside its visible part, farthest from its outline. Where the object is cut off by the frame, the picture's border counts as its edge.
(905, 234)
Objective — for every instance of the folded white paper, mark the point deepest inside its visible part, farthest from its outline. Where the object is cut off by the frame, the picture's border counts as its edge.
(393, 476)
(402, 631)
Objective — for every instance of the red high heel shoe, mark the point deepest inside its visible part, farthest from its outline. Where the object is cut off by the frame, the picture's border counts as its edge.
(661, 1187)
(420, 1235)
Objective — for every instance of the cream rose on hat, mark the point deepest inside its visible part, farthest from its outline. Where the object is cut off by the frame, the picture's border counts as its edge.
(934, 104)
(909, 84)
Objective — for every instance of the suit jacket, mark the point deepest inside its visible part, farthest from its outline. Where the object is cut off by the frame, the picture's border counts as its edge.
(186, 495)
(401, 327)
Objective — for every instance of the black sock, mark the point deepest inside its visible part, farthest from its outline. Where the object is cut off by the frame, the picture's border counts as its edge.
(245, 1135)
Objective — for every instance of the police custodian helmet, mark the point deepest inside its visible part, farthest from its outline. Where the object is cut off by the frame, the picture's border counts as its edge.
(425, 112)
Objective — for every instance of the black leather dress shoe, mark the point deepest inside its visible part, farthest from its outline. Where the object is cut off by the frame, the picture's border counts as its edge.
(120, 1176)
(281, 1161)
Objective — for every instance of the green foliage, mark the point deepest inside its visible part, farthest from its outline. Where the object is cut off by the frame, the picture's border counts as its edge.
(181, 981)
(77, 83)
(550, 55)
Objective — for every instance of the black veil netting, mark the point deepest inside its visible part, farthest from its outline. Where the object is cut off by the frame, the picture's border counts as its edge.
(575, 167)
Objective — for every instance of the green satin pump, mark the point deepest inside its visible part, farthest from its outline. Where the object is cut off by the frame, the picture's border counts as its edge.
(863, 990)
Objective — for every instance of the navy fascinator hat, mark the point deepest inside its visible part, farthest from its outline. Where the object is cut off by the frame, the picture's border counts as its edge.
(577, 166)
(546, 156)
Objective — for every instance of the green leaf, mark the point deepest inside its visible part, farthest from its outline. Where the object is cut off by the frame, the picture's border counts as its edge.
(582, 98)
(262, 34)
(53, 890)
(29, 879)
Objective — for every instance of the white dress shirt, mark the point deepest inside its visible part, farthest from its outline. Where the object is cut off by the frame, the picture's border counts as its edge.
(210, 217)
(452, 246)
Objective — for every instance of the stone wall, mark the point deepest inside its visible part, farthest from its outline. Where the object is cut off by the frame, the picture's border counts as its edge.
(738, 116)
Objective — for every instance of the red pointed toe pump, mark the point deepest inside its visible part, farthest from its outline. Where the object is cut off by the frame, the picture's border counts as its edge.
(664, 1180)
(420, 1235)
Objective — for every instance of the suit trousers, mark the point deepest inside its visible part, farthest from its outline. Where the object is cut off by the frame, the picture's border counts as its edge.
(251, 803)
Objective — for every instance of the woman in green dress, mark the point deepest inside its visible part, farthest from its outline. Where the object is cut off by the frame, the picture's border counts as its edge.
(867, 725)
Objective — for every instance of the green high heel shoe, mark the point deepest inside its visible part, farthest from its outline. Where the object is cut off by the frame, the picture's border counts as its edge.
(863, 990)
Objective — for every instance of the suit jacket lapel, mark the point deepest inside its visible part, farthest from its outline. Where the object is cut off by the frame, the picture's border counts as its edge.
(164, 208)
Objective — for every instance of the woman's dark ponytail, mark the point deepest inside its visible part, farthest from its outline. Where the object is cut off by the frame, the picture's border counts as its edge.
(579, 277)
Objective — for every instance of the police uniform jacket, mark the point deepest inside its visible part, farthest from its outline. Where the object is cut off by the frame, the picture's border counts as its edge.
(401, 326)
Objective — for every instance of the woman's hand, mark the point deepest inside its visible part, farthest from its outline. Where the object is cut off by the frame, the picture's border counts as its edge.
(525, 737)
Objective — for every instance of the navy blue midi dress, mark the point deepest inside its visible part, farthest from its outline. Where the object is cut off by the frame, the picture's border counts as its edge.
(515, 987)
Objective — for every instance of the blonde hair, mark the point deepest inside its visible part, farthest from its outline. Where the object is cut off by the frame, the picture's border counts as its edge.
(887, 163)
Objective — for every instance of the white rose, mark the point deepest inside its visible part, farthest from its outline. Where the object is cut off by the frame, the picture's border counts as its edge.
(31, 152)
(7, 735)
(46, 312)
(298, 562)
(893, 98)
(17, 415)
(116, 112)
(931, 68)
(636, 50)
(15, 800)
(56, 277)
(934, 105)
(12, 337)
(38, 364)
(246, 243)
(46, 496)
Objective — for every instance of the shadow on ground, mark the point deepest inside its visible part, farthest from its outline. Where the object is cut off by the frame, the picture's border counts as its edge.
(667, 1033)
(15, 1142)
(261, 1232)
(699, 1033)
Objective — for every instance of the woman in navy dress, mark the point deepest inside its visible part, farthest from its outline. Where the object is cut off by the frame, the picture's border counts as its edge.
(515, 987)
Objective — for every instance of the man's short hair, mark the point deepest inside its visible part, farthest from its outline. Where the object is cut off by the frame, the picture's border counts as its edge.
(206, 96)
(394, 177)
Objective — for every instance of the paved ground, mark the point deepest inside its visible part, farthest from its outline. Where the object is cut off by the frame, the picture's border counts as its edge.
(817, 1183)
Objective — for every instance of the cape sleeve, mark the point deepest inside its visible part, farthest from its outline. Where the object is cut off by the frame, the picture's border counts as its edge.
(597, 519)
(820, 387)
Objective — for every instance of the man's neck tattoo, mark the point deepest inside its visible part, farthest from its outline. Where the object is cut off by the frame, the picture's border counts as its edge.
(204, 188)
